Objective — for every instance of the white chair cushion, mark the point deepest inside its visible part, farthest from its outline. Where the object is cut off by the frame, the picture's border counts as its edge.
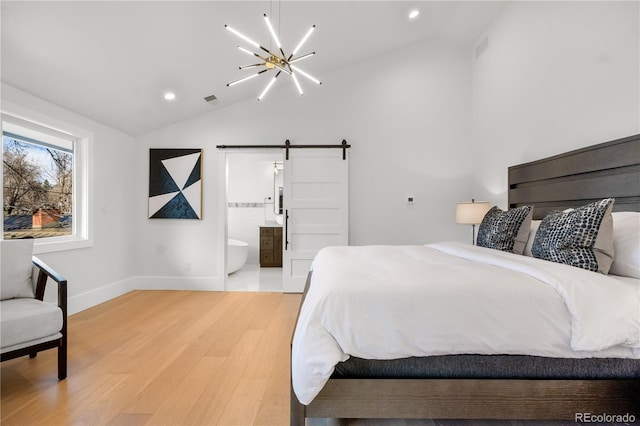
(16, 269)
(23, 320)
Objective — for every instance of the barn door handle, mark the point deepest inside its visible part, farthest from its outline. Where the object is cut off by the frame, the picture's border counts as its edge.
(286, 229)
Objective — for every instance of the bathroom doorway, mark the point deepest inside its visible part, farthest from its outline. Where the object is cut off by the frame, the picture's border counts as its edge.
(254, 183)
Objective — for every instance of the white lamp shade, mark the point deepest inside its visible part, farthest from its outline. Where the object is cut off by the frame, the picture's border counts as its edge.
(471, 213)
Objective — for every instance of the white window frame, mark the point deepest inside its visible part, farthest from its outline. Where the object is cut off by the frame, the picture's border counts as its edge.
(82, 235)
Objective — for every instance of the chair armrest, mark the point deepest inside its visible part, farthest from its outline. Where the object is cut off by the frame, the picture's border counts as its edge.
(45, 272)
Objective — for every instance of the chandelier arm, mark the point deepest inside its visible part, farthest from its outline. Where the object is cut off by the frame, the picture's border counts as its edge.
(242, 36)
(295, 80)
(266, 89)
(298, 70)
(248, 52)
(272, 31)
(275, 38)
(248, 40)
(299, 58)
(306, 36)
(246, 78)
(281, 68)
(250, 66)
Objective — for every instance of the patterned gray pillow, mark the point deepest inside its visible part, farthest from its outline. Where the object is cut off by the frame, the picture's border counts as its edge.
(579, 237)
(506, 231)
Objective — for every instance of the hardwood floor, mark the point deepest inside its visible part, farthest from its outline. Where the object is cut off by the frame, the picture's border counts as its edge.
(163, 357)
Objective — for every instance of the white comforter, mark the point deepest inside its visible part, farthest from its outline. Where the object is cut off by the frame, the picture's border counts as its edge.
(386, 302)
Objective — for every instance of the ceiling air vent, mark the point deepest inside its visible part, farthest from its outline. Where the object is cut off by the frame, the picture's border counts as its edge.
(482, 46)
(211, 98)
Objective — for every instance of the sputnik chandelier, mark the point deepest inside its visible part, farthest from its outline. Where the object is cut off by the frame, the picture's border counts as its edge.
(281, 62)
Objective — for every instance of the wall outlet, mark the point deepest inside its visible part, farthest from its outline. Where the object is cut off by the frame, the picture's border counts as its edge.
(410, 199)
(187, 266)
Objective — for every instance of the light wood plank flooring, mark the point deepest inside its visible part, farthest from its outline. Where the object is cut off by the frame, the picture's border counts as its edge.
(163, 357)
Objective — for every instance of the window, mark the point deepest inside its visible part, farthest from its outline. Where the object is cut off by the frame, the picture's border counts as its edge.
(38, 187)
(44, 189)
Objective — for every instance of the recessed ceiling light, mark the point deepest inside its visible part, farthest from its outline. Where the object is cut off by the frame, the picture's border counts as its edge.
(414, 14)
(169, 96)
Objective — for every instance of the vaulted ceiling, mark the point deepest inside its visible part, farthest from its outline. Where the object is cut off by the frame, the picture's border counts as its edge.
(112, 61)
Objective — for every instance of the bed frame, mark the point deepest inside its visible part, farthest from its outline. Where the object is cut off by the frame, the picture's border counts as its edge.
(610, 169)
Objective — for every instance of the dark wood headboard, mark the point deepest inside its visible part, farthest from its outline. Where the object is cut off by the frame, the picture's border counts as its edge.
(575, 178)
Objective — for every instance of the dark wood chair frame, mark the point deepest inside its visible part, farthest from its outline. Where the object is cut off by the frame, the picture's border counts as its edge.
(44, 273)
(610, 169)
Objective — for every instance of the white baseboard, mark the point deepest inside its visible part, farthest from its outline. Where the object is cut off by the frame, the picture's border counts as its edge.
(94, 297)
(178, 283)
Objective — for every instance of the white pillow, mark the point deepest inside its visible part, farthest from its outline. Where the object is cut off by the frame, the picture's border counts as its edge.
(532, 236)
(16, 269)
(626, 242)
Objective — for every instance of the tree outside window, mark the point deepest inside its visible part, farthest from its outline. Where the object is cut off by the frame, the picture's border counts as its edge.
(37, 188)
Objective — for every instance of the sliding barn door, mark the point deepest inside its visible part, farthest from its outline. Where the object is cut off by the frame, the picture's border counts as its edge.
(316, 207)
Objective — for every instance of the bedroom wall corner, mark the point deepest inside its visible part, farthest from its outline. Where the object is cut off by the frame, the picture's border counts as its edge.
(555, 76)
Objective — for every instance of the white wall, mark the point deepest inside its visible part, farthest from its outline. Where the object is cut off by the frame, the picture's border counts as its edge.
(102, 271)
(409, 122)
(556, 76)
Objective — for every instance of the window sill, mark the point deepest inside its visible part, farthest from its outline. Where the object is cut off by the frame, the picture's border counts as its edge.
(53, 244)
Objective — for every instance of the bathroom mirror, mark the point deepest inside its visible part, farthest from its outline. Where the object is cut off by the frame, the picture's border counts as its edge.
(278, 183)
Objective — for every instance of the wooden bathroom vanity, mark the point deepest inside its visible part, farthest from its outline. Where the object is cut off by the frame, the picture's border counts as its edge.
(270, 246)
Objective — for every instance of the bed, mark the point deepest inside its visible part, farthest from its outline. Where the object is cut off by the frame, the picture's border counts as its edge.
(596, 371)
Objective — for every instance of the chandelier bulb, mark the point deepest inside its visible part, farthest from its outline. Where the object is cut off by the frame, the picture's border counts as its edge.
(266, 89)
(272, 31)
(304, 39)
(247, 51)
(242, 36)
(315, 80)
(245, 78)
(295, 80)
(299, 58)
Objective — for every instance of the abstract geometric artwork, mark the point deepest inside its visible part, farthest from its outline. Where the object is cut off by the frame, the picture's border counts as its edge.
(175, 184)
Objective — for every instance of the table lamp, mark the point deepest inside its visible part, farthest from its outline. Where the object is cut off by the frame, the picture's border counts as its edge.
(471, 214)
